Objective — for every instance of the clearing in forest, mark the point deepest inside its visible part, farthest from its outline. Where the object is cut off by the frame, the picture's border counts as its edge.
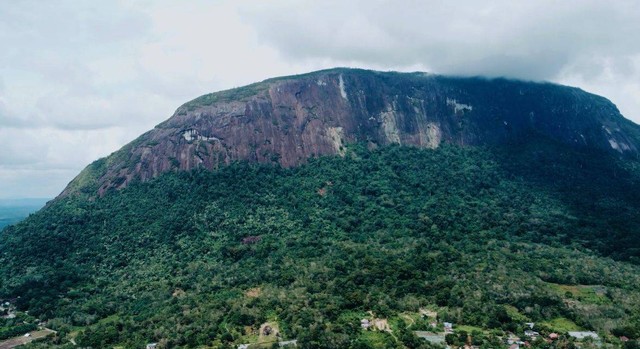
(16, 341)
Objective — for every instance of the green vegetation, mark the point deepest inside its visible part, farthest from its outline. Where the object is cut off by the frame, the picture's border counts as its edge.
(16, 327)
(488, 237)
(241, 93)
(583, 293)
(234, 94)
(561, 324)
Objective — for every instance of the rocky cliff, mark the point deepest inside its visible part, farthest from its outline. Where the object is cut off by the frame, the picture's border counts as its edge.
(287, 120)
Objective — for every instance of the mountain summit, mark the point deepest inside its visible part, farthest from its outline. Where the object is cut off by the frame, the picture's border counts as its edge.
(290, 119)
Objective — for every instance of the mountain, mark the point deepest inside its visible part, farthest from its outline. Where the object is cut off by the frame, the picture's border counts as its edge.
(287, 120)
(304, 205)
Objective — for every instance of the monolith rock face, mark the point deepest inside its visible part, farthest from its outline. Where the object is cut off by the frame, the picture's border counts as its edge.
(287, 120)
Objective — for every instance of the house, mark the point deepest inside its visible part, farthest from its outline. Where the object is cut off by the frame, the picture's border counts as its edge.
(514, 346)
(448, 327)
(513, 339)
(553, 336)
(579, 335)
(152, 345)
(531, 334)
(624, 339)
(243, 346)
(428, 313)
(364, 323)
(530, 324)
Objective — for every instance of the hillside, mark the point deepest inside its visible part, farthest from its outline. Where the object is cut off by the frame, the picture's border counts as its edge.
(390, 231)
(489, 228)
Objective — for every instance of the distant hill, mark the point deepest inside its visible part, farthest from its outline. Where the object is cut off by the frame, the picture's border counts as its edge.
(346, 209)
(14, 210)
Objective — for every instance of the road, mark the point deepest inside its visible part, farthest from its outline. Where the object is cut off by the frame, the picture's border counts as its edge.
(16, 341)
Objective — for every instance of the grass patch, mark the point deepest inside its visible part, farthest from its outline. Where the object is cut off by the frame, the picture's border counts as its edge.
(377, 339)
(515, 314)
(562, 325)
(469, 329)
(409, 318)
(589, 294)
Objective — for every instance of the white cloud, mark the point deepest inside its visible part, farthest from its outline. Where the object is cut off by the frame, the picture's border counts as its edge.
(79, 79)
(617, 78)
(516, 38)
(40, 162)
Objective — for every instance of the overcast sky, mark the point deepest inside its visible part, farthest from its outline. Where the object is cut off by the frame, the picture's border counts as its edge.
(79, 79)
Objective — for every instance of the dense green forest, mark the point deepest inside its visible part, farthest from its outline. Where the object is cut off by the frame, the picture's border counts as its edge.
(489, 238)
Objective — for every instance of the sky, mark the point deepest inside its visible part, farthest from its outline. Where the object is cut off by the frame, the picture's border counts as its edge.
(79, 79)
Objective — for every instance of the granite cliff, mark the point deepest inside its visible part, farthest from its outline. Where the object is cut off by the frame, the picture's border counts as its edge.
(289, 119)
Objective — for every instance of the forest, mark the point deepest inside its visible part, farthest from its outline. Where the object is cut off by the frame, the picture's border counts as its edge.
(490, 238)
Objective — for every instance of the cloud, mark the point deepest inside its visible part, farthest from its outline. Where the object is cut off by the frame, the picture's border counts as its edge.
(51, 48)
(617, 78)
(535, 39)
(80, 79)
(592, 44)
(40, 162)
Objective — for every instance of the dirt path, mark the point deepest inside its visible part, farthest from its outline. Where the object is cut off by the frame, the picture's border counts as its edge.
(16, 341)
(407, 317)
(382, 325)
